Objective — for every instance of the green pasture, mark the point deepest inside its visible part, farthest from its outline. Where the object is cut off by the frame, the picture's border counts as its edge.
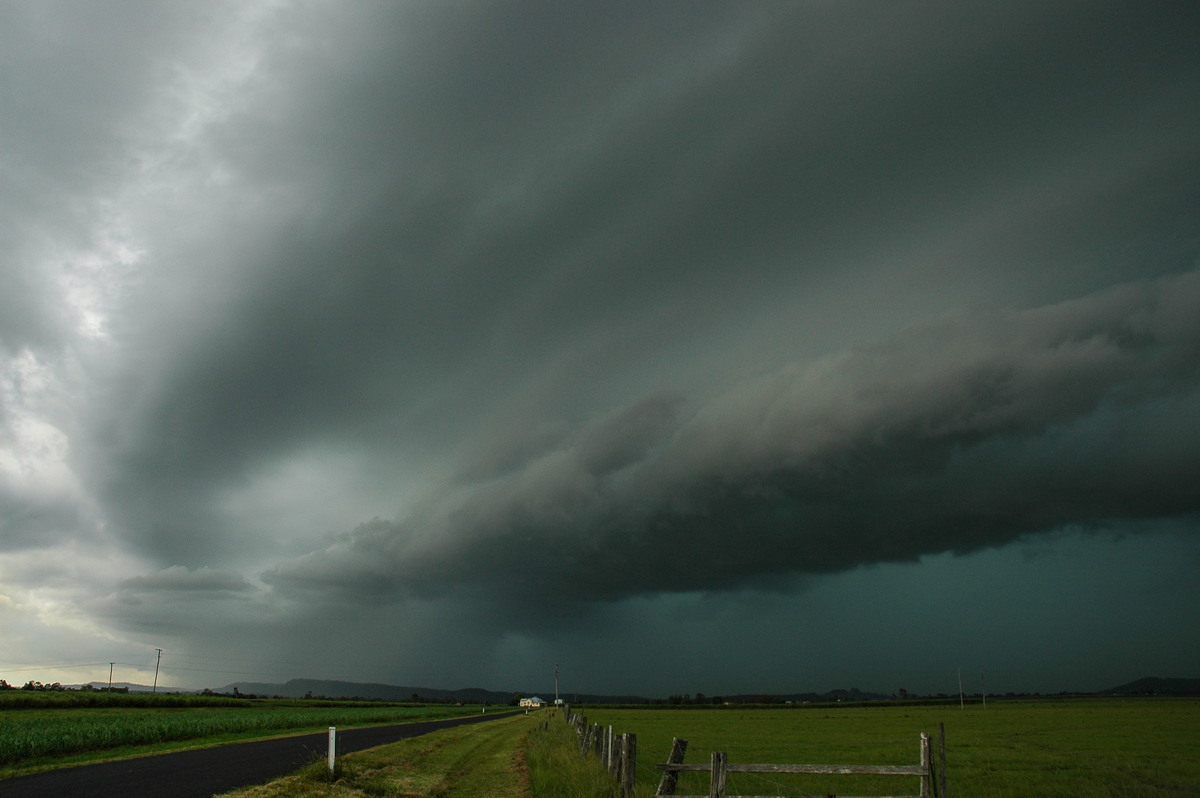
(1128, 747)
(482, 760)
(59, 730)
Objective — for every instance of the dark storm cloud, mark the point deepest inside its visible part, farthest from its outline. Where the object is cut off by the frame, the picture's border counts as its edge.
(637, 299)
(30, 520)
(509, 201)
(960, 434)
(178, 578)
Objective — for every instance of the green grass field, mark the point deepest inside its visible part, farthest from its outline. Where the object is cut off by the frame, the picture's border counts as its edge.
(1131, 748)
(1078, 747)
(57, 729)
(478, 761)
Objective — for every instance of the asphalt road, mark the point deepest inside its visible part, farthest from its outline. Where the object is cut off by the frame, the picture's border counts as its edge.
(204, 772)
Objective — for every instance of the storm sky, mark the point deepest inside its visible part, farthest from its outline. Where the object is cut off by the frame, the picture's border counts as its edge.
(690, 347)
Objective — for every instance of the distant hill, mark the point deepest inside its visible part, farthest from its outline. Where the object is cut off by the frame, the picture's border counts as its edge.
(1152, 685)
(132, 687)
(327, 688)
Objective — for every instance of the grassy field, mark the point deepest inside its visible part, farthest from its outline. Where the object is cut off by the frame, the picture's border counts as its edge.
(1052, 748)
(1079, 747)
(525, 756)
(38, 731)
(483, 760)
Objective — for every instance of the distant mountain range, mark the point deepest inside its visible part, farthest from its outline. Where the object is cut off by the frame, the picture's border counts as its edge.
(323, 688)
(130, 687)
(326, 688)
(1153, 685)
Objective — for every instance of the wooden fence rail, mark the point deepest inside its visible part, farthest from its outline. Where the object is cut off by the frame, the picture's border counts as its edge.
(932, 777)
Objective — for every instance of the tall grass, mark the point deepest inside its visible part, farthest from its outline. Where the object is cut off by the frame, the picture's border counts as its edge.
(73, 699)
(556, 768)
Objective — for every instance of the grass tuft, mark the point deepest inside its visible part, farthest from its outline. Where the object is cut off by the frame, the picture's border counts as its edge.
(556, 768)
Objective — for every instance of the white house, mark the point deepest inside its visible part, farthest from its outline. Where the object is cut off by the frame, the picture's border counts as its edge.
(534, 702)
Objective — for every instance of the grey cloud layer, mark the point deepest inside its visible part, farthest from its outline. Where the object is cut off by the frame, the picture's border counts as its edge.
(635, 297)
(407, 224)
(957, 435)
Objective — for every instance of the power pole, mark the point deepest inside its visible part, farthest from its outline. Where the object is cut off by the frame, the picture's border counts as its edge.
(159, 650)
(555, 685)
(110, 676)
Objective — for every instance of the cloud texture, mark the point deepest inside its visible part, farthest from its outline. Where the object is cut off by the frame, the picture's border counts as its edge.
(962, 433)
(512, 316)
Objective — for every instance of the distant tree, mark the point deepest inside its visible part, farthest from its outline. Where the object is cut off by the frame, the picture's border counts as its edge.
(903, 693)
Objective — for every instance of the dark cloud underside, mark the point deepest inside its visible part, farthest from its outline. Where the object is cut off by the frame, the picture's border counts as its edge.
(445, 310)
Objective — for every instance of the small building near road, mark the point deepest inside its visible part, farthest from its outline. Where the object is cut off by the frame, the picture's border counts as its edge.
(533, 701)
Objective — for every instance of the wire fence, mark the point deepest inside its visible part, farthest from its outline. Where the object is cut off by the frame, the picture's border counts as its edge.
(723, 777)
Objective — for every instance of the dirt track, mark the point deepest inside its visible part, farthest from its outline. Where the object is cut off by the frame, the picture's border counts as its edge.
(204, 772)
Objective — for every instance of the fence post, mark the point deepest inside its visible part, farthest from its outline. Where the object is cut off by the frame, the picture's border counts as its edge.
(926, 761)
(628, 763)
(941, 780)
(609, 756)
(332, 754)
(585, 739)
(670, 778)
(716, 787)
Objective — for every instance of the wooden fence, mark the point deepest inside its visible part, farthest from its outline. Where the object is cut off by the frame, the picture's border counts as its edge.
(932, 776)
(617, 752)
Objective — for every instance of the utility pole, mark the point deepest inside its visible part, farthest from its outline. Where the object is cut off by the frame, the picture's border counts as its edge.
(110, 676)
(960, 690)
(159, 650)
(555, 685)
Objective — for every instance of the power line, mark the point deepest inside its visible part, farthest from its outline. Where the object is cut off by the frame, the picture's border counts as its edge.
(64, 667)
(280, 671)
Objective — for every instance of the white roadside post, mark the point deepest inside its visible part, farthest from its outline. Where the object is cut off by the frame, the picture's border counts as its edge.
(332, 747)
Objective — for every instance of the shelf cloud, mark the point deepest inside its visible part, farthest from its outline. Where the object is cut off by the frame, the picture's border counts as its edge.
(478, 336)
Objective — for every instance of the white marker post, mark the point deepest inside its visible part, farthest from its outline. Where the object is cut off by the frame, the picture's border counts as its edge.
(332, 747)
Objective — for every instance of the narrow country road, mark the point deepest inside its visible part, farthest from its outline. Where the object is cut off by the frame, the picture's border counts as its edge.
(204, 772)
